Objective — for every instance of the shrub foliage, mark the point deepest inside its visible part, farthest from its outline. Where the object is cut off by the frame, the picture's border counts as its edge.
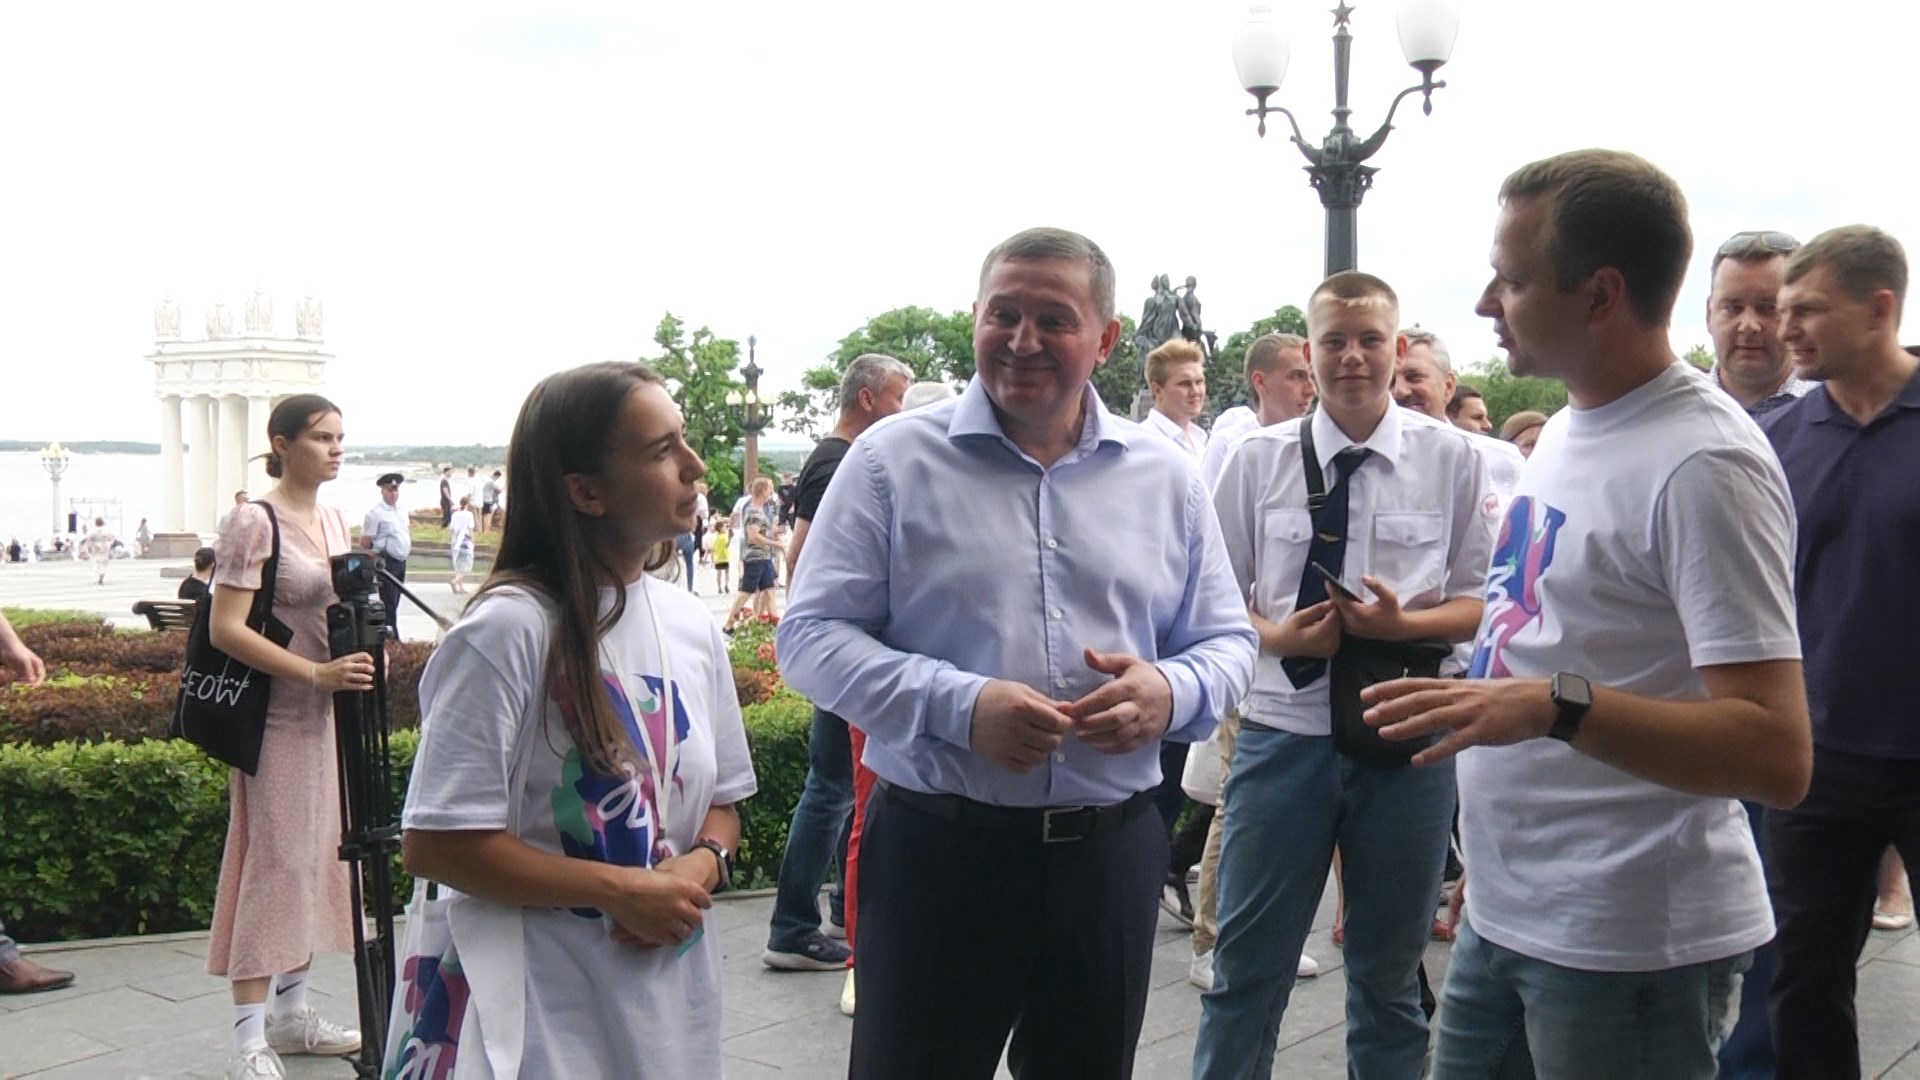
(111, 829)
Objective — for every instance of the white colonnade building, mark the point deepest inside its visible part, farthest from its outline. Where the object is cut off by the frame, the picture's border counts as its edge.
(215, 396)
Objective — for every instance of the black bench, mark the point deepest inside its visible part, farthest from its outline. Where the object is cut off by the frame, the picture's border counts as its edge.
(166, 614)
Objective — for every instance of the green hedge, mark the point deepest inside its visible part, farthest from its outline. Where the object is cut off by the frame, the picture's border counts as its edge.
(108, 839)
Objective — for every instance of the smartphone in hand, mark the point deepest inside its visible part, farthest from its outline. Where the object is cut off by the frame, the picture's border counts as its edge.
(1333, 582)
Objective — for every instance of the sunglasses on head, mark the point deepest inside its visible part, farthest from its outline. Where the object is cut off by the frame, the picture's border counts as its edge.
(1767, 240)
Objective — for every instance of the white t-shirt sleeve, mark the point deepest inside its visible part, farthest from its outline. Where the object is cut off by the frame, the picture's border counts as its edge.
(480, 689)
(1725, 531)
(733, 778)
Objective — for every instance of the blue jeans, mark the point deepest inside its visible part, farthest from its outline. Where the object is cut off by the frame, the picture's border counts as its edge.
(1288, 801)
(1504, 1015)
(818, 833)
(1748, 1052)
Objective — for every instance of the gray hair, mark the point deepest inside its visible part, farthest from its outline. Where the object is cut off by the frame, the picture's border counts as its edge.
(1045, 243)
(870, 371)
(1418, 336)
(926, 393)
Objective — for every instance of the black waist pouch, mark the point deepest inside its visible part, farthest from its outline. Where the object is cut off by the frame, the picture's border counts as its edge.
(1360, 663)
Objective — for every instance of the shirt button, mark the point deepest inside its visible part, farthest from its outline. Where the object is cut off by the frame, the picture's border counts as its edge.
(1060, 757)
(1052, 543)
(1060, 681)
(1056, 613)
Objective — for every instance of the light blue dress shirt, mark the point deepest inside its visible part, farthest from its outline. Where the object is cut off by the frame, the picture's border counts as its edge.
(944, 556)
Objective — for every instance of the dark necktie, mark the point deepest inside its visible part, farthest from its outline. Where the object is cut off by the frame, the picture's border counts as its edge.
(1329, 549)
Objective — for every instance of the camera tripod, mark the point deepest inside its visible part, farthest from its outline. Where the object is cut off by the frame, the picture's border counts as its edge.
(370, 830)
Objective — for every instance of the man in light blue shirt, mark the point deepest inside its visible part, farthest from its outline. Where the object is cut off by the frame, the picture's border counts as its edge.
(387, 533)
(1015, 595)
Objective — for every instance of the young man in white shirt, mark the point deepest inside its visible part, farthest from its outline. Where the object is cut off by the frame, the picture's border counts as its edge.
(1405, 514)
(1637, 670)
(1281, 382)
(1177, 377)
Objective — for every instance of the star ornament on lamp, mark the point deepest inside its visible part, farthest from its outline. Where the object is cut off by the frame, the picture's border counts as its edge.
(1261, 54)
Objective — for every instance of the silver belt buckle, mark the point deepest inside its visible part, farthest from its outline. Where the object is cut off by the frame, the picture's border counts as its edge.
(1046, 825)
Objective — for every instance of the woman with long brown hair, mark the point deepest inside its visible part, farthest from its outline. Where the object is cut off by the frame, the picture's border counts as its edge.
(581, 753)
(283, 889)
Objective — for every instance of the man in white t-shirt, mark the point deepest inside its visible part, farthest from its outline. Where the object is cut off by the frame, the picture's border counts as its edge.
(1637, 670)
(1177, 378)
(1403, 513)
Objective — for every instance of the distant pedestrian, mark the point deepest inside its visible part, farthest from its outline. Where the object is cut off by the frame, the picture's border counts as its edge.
(721, 544)
(460, 543)
(386, 533)
(98, 548)
(200, 582)
(446, 495)
(489, 501)
(143, 536)
(688, 550)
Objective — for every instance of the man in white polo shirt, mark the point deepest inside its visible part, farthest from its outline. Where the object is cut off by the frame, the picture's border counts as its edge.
(1637, 669)
(1177, 377)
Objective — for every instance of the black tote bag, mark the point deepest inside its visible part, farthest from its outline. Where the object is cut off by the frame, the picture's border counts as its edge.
(222, 707)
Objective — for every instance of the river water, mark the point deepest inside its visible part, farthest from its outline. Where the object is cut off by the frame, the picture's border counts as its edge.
(92, 481)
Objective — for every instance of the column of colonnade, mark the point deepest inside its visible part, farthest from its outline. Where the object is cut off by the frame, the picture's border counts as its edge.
(173, 468)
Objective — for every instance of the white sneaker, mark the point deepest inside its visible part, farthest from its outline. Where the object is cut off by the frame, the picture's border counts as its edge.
(1309, 967)
(1200, 970)
(846, 995)
(256, 1063)
(305, 1033)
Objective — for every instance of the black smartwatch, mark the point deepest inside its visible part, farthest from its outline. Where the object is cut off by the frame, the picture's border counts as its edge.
(720, 855)
(1572, 697)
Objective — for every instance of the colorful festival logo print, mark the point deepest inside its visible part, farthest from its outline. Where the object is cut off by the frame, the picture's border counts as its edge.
(611, 819)
(435, 995)
(1520, 558)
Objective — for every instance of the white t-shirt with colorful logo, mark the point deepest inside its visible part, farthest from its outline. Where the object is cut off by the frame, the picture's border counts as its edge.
(594, 1007)
(1647, 538)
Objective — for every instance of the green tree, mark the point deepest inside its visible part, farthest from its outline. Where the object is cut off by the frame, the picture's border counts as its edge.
(1699, 356)
(1226, 375)
(938, 348)
(699, 370)
(1118, 381)
(1506, 394)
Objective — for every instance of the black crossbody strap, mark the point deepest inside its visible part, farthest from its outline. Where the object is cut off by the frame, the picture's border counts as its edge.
(269, 574)
(1310, 462)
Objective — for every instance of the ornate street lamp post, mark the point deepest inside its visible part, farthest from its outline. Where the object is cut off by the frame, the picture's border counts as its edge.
(754, 415)
(56, 459)
(1336, 167)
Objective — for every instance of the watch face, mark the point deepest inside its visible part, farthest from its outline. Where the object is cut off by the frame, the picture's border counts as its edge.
(1569, 689)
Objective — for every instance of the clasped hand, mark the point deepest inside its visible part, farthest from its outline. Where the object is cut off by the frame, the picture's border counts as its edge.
(661, 906)
(1016, 726)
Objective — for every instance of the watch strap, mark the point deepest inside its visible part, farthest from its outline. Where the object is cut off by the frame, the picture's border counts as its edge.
(720, 855)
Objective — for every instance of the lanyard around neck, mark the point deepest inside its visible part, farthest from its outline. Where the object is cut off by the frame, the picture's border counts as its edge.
(659, 762)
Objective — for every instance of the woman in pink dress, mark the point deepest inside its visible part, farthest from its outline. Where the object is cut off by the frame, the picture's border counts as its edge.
(283, 890)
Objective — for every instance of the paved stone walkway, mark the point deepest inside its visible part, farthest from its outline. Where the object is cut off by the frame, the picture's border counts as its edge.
(143, 1007)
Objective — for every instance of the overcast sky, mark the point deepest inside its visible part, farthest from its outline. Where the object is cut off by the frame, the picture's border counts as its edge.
(484, 193)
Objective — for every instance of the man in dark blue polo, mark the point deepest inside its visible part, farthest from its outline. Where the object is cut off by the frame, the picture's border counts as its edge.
(1848, 448)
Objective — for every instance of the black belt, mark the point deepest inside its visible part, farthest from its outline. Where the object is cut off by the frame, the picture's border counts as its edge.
(1048, 824)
